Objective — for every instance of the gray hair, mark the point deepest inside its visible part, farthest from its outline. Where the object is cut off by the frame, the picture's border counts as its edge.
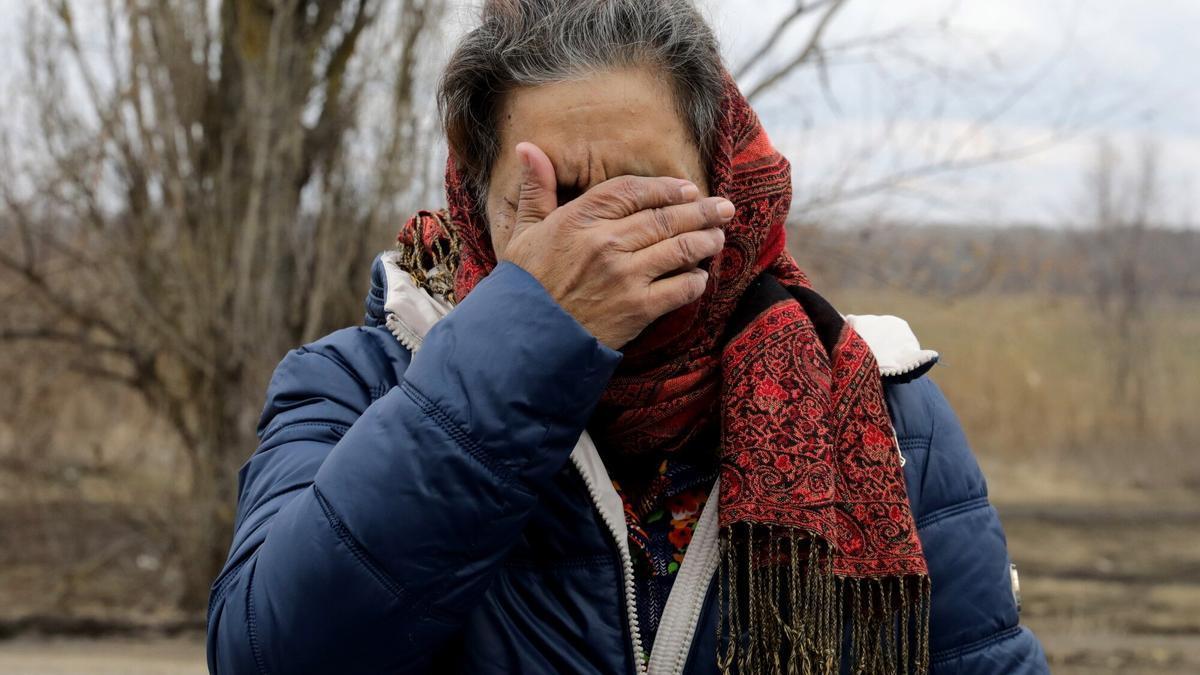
(524, 43)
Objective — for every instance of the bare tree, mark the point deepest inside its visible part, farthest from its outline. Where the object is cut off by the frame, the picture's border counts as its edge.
(195, 191)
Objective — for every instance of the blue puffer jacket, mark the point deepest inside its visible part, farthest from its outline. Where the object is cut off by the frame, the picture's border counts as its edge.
(430, 512)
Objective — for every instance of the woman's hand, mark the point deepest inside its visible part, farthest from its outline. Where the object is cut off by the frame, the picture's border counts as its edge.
(622, 254)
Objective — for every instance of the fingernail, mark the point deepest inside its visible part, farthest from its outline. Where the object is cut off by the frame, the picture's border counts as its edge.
(688, 192)
(725, 209)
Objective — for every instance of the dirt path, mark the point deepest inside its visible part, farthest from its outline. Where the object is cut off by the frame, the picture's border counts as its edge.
(1110, 590)
(103, 657)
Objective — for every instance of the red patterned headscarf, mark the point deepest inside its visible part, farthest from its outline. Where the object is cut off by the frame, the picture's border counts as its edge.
(818, 541)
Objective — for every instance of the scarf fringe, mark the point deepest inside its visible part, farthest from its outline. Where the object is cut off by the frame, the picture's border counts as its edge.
(794, 616)
(431, 260)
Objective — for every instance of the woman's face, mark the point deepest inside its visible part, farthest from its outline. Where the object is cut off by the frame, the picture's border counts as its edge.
(603, 126)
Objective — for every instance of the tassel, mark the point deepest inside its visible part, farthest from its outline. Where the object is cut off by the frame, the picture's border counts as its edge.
(430, 249)
(783, 610)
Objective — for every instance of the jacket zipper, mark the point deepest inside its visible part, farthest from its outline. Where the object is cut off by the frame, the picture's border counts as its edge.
(405, 335)
(618, 535)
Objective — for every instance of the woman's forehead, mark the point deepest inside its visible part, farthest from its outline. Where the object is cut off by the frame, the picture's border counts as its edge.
(598, 127)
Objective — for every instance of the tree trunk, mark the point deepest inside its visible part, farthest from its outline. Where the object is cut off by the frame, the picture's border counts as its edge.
(206, 514)
(206, 526)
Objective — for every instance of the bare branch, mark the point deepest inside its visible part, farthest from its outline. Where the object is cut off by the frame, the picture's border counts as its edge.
(806, 53)
(78, 339)
(951, 164)
(800, 9)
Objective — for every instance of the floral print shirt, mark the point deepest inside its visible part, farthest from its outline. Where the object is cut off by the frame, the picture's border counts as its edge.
(660, 526)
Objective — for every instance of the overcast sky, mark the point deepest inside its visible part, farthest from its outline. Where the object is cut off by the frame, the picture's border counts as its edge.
(1062, 71)
(1049, 74)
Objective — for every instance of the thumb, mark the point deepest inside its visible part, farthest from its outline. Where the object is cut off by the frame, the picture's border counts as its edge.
(539, 187)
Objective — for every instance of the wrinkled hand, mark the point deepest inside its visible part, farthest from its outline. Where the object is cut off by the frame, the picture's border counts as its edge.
(620, 255)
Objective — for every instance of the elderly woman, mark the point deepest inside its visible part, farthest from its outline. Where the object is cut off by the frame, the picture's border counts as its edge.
(598, 421)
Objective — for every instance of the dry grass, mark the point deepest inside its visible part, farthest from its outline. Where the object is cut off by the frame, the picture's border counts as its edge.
(1030, 377)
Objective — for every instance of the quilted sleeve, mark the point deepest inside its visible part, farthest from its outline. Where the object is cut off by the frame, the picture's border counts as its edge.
(376, 509)
(974, 626)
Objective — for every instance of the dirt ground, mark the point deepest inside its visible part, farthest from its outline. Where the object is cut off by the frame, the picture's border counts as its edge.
(1109, 589)
(184, 656)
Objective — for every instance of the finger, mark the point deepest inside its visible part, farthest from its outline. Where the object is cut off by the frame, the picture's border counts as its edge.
(679, 252)
(539, 187)
(625, 195)
(673, 292)
(648, 227)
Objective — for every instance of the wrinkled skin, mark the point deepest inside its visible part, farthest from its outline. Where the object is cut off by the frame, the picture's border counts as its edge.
(599, 192)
